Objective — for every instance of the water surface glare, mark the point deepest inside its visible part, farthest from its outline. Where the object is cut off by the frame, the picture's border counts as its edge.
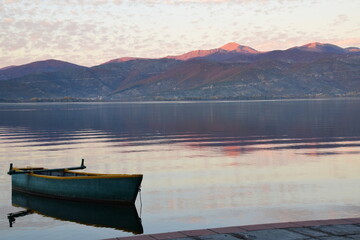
(205, 164)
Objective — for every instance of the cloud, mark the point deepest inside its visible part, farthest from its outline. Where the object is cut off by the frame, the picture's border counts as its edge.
(8, 20)
(348, 42)
(177, 2)
(147, 2)
(98, 30)
(340, 19)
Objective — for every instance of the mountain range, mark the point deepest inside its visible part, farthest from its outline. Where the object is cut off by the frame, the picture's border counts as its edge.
(232, 71)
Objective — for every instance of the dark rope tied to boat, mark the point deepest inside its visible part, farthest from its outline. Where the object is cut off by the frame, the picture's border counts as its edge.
(140, 201)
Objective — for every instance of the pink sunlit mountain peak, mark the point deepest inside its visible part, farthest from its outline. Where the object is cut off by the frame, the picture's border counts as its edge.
(313, 45)
(233, 46)
(229, 50)
(321, 47)
(230, 46)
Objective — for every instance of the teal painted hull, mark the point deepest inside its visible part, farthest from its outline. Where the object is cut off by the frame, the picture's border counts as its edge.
(112, 189)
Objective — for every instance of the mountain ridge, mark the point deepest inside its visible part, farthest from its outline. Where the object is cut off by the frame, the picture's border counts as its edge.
(232, 71)
(229, 47)
(233, 50)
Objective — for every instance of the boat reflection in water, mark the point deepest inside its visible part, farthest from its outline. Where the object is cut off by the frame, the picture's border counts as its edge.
(121, 217)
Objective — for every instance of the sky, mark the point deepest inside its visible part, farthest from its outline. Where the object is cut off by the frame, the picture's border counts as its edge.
(91, 32)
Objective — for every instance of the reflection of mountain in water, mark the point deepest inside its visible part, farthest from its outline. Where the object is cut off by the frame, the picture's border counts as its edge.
(122, 217)
(271, 124)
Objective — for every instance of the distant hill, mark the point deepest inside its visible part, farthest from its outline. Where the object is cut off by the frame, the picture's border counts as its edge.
(232, 71)
(50, 65)
(197, 79)
(123, 59)
(352, 49)
(321, 48)
(4, 68)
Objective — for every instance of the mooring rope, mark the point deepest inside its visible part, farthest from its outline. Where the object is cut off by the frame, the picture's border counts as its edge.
(140, 201)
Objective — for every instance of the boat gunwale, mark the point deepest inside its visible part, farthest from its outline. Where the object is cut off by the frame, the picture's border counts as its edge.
(87, 175)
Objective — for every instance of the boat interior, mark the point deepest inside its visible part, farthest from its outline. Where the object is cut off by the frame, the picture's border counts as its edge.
(62, 174)
(54, 172)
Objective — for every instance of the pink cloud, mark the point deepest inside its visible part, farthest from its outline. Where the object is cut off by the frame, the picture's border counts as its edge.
(349, 42)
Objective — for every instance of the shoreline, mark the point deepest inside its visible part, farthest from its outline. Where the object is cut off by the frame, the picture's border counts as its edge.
(337, 229)
(179, 101)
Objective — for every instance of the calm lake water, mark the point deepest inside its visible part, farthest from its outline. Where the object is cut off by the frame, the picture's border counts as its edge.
(205, 164)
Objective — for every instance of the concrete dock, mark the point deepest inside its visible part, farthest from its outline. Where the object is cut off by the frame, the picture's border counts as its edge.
(334, 229)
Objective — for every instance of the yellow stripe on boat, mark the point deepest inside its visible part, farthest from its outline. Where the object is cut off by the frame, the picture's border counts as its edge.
(92, 175)
(88, 177)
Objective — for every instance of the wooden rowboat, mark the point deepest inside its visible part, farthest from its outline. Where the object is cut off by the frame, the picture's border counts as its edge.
(62, 183)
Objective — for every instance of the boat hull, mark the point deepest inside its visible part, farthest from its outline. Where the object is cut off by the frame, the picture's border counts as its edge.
(96, 188)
